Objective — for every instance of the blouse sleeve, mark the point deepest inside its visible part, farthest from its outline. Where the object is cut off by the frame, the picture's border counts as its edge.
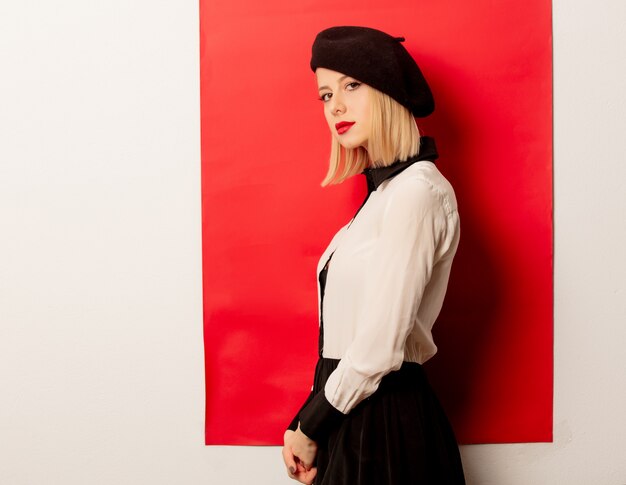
(294, 422)
(413, 236)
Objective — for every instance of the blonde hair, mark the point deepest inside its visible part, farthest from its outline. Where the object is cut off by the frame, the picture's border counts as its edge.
(394, 136)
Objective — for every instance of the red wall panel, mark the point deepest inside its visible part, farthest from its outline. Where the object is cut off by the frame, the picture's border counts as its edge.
(266, 219)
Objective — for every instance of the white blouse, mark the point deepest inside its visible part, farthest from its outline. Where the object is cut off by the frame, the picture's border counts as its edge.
(387, 280)
(385, 284)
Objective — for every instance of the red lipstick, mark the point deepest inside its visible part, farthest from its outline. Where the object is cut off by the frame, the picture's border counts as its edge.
(343, 126)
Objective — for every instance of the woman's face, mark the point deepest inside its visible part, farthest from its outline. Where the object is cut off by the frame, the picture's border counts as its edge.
(346, 100)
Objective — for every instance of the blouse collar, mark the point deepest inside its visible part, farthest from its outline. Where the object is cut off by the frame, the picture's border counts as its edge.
(377, 175)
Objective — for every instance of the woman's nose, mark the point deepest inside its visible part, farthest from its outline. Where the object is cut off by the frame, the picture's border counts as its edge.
(338, 106)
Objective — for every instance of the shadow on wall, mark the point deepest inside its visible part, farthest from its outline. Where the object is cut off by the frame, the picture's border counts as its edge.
(469, 315)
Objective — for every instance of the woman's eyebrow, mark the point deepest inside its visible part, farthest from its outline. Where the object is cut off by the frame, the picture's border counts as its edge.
(339, 80)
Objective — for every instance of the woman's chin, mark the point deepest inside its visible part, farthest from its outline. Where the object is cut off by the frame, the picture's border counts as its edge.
(349, 145)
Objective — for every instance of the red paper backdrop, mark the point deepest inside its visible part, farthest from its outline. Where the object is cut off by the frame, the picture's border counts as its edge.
(266, 219)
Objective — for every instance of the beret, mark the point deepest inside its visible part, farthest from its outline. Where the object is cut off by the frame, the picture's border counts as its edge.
(377, 59)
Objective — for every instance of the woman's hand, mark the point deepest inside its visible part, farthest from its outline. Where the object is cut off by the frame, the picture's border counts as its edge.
(299, 453)
(304, 448)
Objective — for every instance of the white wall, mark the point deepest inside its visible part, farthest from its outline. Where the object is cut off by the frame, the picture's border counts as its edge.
(101, 359)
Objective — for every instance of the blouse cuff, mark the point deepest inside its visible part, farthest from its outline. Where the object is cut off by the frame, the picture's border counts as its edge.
(294, 423)
(319, 417)
(293, 426)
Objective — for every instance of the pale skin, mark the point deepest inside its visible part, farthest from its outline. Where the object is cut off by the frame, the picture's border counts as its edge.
(344, 99)
(299, 453)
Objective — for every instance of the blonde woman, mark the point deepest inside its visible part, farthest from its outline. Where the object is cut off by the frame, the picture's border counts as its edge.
(371, 417)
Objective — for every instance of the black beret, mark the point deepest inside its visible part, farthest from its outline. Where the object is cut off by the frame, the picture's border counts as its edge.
(377, 59)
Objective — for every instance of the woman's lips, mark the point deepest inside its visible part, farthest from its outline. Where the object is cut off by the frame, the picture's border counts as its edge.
(343, 126)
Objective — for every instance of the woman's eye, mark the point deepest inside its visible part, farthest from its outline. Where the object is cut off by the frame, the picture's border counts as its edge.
(354, 82)
(322, 98)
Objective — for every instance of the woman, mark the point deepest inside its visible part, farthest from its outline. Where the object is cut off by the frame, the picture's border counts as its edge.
(371, 417)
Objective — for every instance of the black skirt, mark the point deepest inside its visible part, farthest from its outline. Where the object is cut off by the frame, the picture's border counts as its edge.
(399, 435)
